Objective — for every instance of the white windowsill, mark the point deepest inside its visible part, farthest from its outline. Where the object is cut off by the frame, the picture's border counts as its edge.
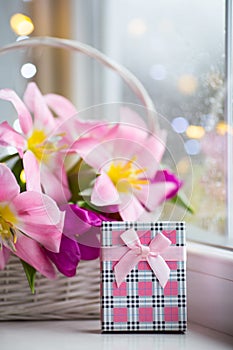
(210, 286)
(81, 334)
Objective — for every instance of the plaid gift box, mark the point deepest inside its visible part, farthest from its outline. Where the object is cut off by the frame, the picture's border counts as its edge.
(143, 284)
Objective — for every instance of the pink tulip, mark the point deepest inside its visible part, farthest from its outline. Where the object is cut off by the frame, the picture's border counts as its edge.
(29, 221)
(42, 135)
(127, 160)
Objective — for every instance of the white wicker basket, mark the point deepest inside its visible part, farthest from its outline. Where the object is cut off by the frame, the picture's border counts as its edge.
(63, 298)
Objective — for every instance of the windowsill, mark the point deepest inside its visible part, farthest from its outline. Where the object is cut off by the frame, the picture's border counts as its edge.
(210, 285)
(86, 335)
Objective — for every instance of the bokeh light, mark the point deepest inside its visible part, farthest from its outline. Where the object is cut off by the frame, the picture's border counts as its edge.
(158, 72)
(180, 124)
(28, 70)
(137, 27)
(21, 24)
(195, 131)
(187, 84)
(183, 166)
(192, 147)
(222, 128)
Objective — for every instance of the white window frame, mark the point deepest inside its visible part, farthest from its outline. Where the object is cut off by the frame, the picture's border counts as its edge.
(229, 111)
(210, 269)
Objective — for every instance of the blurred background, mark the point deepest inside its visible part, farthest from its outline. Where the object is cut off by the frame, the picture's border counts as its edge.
(176, 48)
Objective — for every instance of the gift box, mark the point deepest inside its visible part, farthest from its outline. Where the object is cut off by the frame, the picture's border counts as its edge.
(143, 277)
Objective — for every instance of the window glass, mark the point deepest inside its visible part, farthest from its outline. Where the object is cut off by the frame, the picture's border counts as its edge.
(177, 49)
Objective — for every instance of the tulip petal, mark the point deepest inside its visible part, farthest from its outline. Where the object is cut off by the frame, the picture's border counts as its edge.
(60, 105)
(32, 172)
(90, 238)
(157, 144)
(39, 217)
(87, 216)
(43, 118)
(104, 131)
(119, 147)
(9, 188)
(55, 183)
(104, 192)
(10, 137)
(92, 151)
(25, 119)
(89, 253)
(76, 221)
(68, 257)
(31, 252)
(167, 176)
(84, 226)
(37, 206)
(79, 220)
(151, 153)
(129, 116)
(153, 195)
(130, 209)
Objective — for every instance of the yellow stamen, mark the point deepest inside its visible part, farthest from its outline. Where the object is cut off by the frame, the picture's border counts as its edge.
(125, 176)
(35, 143)
(7, 232)
(41, 146)
(7, 214)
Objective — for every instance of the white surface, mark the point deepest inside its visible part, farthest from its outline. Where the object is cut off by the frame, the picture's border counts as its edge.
(68, 335)
(210, 286)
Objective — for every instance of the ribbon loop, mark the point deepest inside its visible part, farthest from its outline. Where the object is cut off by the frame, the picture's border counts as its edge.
(144, 251)
(138, 252)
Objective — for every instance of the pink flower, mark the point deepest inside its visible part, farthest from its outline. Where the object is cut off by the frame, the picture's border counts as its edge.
(127, 161)
(29, 221)
(67, 258)
(42, 135)
(84, 226)
(80, 239)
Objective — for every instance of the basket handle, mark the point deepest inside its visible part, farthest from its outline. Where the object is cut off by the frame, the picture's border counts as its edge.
(134, 84)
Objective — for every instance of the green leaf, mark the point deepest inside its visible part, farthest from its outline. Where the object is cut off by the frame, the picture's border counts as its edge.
(85, 173)
(85, 205)
(181, 200)
(31, 274)
(8, 157)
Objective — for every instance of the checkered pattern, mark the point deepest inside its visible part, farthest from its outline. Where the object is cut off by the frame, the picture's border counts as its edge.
(140, 303)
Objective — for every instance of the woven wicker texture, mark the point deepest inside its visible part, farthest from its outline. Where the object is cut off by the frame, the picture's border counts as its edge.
(63, 298)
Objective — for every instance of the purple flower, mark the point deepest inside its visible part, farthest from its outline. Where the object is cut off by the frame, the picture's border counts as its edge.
(84, 226)
(68, 257)
(80, 239)
(168, 177)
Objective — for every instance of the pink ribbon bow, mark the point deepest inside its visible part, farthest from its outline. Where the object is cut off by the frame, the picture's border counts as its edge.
(138, 252)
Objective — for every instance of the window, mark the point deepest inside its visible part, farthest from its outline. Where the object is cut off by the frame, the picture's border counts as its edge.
(177, 49)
